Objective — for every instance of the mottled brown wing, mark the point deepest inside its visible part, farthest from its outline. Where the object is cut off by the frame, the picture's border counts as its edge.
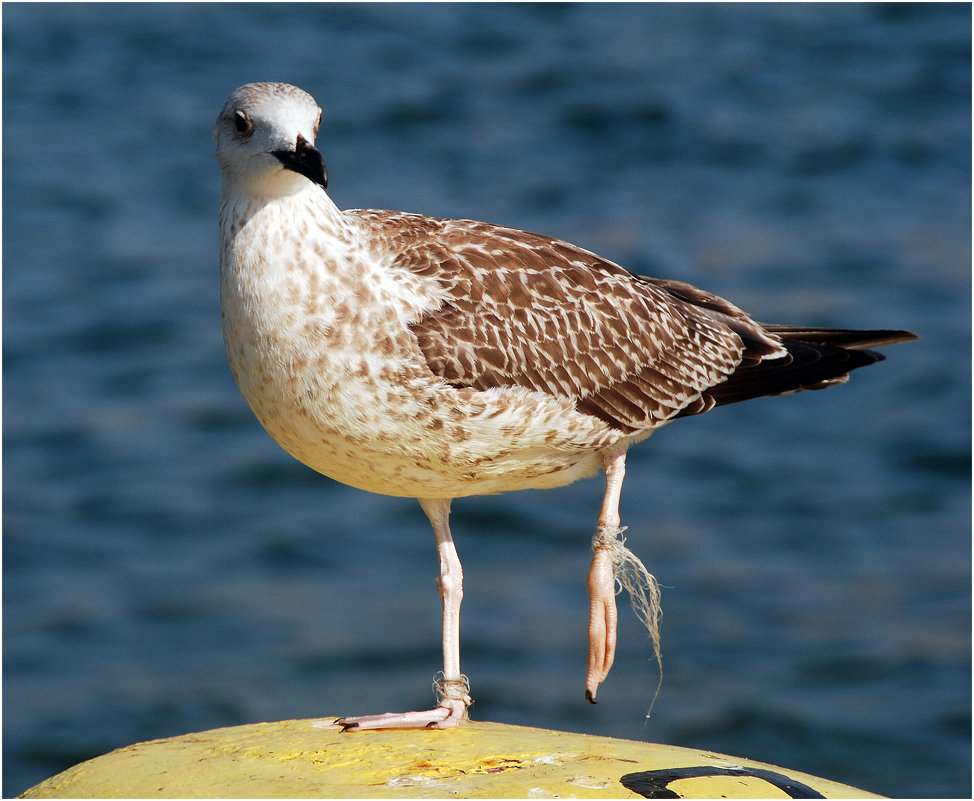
(525, 310)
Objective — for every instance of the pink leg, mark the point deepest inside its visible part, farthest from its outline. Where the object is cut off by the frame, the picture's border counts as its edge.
(453, 687)
(603, 616)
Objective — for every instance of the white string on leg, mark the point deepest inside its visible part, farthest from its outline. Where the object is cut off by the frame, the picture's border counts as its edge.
(456, 689)
(644, 593)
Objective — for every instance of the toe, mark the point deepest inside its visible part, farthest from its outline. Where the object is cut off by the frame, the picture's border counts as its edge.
(602, 622)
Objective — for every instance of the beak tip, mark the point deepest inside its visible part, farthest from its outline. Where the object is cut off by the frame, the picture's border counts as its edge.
(305, 160)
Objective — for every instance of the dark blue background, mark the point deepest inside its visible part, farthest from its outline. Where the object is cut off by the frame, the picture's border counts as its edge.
(168, 569)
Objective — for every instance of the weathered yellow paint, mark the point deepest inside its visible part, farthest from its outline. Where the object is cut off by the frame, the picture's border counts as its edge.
(293, 759)
(727, 787)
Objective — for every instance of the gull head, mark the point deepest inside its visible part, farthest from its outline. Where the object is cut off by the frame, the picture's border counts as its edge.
(265, 138)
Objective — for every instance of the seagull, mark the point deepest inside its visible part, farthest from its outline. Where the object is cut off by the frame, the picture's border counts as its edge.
(435, 359)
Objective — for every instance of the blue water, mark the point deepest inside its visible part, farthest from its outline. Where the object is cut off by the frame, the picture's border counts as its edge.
(168, 569)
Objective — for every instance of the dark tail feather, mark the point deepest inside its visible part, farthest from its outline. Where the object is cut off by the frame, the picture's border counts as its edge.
(817, 358)
(840, 337)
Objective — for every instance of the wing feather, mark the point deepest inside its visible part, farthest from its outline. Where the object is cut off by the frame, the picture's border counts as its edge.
(524, 310)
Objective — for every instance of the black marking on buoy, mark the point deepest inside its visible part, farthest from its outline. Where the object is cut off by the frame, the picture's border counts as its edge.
(655, 783)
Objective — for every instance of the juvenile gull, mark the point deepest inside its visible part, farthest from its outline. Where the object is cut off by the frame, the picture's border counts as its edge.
(434, 359)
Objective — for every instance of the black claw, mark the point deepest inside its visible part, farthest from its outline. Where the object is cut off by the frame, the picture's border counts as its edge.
(590, 697)
(347, 726)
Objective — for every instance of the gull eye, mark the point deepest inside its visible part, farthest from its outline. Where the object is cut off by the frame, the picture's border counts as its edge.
(243, 123)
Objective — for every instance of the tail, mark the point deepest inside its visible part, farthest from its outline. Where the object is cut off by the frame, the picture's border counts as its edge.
(817, 358)
(840, 337)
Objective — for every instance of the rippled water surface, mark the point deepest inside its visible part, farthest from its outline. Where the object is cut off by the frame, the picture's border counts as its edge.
(168, 569)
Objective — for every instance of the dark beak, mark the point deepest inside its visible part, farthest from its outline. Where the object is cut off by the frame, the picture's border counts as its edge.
(305, 160)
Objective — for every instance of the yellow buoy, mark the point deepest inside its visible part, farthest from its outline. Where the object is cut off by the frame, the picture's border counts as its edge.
(293, 759)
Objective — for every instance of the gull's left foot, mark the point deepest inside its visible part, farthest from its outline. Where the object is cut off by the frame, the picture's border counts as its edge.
(602, 620)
